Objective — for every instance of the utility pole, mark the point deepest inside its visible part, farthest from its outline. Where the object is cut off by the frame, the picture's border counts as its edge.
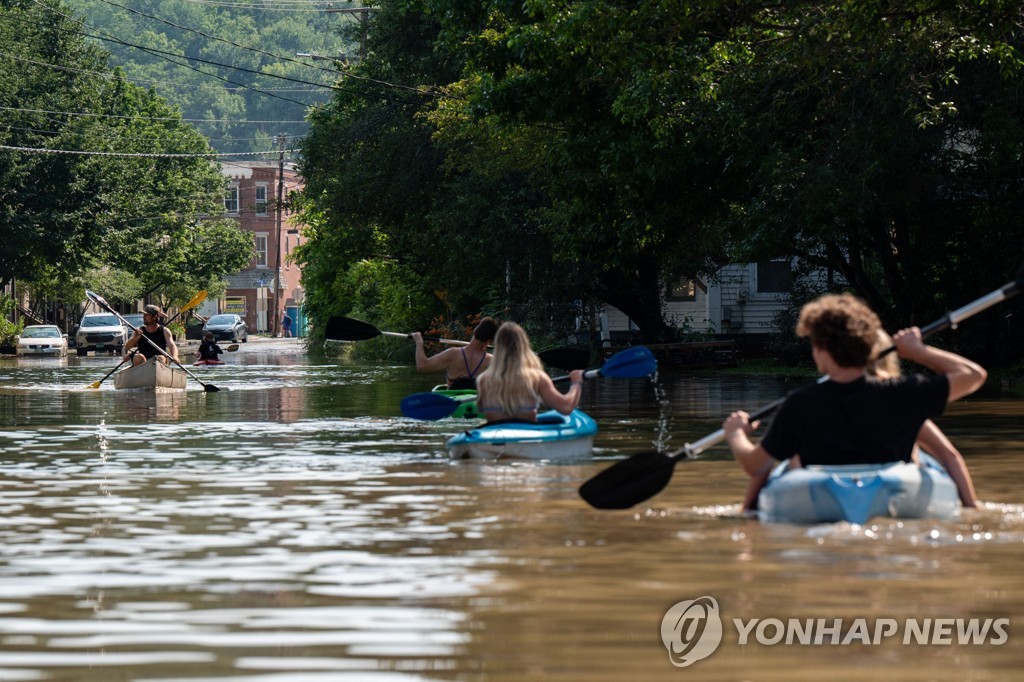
(275, 322)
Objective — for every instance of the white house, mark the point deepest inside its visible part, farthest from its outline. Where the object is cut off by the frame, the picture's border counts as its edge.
(742, 299)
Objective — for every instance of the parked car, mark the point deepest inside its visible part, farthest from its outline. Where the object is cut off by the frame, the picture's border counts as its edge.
(43, 339)
(100, 332)
(135, 319)
(227, 327)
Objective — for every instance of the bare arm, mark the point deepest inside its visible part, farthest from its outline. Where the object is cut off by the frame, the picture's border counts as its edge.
(754, 459)
(435, 363)
(131, 343)
(935, 443)
(172, 348)
(965, 377)
(555, 399)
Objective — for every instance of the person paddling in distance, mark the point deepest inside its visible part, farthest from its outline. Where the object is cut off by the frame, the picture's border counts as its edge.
(461, 365)
(515, 385)
(153, 329)
(852, 418)
(208, 350)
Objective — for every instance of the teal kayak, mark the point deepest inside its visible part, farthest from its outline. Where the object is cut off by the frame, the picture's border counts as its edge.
(552, 436)
(856, 493)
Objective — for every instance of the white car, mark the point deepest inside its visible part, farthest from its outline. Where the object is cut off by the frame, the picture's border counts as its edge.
(100, 332)
(43, 339)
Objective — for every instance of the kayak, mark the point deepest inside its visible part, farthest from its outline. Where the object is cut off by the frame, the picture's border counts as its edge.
(467, 398)
(858, 492)
(200, 363)
(552, 436)
(152, 374)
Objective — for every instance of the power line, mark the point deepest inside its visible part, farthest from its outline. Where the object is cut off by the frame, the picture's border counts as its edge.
(36, 150)
(141, 118)
(111, 75)
(217, 38)
(162, 53)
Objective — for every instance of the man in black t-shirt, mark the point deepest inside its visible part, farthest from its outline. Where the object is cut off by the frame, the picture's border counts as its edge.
(851, 418)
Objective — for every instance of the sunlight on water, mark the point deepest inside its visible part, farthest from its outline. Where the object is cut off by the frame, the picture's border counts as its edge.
(293, 526)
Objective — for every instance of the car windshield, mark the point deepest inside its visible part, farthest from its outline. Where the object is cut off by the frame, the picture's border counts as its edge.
(41, 333)
(101, 321)
(221, 319)
(135, 319)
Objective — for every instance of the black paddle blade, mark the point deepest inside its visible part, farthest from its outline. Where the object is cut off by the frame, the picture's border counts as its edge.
(348, 329)
(629, 482)
(210, 388)
(566, 357)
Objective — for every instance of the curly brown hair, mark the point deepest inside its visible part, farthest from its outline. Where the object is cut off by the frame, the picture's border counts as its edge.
(843, 325)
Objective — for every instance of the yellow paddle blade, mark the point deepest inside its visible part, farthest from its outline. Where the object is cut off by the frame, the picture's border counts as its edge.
(196, 300)
(95, 384)
(232, 348)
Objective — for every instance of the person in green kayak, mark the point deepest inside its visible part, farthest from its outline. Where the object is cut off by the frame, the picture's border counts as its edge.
(461, 365)
(852, 418)
(515, 385)
(154, 330)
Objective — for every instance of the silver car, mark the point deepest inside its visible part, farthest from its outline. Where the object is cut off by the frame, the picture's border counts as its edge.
(100, 332)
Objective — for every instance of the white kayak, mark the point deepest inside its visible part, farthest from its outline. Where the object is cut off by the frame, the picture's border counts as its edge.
(151, 374)
(552, 436)
(858, 492)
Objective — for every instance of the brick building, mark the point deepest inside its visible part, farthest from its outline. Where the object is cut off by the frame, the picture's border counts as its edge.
(252, 199)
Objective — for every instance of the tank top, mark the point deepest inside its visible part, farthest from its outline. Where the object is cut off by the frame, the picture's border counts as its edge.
(156, 337)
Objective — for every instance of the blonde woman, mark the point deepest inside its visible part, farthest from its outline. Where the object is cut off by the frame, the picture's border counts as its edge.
(515, 384)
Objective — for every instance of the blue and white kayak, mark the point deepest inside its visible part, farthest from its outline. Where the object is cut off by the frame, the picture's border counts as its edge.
(553, 436)
(858, 492)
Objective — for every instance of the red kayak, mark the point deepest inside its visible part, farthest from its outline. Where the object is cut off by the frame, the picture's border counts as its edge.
(199, 363)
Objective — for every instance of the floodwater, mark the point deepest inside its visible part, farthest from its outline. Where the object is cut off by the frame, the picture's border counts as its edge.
(294, 527)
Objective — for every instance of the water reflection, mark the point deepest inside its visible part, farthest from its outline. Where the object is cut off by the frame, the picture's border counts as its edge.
(296, 527)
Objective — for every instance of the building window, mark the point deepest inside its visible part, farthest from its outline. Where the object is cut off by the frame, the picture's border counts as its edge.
(261, 200)
(773, 276)
(231, 199)
(683, 290)
(260, 239)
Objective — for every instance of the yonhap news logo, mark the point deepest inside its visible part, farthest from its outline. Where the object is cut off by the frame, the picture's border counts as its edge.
(692, 630)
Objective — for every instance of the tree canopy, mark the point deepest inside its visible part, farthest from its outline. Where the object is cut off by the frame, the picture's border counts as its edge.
(512, 153)
(98, 173)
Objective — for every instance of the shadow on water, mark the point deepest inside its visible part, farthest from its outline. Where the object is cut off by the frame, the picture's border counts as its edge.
(295, 527)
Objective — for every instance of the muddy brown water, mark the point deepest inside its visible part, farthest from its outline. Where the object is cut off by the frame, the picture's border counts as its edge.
(295, 527)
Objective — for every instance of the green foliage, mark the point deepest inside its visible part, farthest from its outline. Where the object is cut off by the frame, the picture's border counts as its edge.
(219, 97)
(9, 331)
(71, 221)
(552, 151)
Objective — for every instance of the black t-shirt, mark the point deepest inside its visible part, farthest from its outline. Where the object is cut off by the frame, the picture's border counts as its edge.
(865, 421)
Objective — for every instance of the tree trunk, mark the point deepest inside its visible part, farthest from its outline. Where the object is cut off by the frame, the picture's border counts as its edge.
(637, 293)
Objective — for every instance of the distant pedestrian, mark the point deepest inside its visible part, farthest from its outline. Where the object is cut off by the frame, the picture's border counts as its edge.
(286, 326)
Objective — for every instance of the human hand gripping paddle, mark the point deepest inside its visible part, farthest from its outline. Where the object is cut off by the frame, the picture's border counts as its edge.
(349, 329)
(631, 363)
(102, 303)
(193, 302)
(645, 474)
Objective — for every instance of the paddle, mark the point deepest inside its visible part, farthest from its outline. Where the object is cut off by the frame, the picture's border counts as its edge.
(230, 349)
(645, 474)
(566, 357)
(193, 302)
(349, 329)
(102, 303)
(631, 363)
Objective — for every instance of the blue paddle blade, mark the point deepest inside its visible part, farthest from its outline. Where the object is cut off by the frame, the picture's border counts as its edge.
(429, 406)
(631, 363)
